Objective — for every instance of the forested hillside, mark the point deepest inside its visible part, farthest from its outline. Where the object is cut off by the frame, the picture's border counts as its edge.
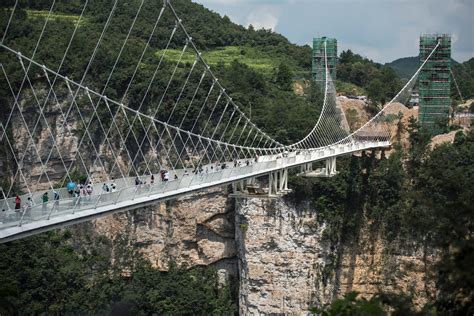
(420, 199)
(380, 82)
(60, 273)
(405, 67)
(464, 74)
(256, 66)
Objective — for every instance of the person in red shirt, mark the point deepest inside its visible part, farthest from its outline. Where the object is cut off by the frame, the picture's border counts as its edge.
(17, 203)
(17, 206)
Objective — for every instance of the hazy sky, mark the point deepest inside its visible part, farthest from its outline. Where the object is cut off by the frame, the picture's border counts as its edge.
(382, 30)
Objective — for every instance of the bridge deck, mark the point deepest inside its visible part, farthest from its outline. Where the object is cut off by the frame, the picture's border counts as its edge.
(67, 211)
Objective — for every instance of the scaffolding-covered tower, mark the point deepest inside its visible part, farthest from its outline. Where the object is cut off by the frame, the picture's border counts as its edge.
(434, 82)
(318, 69)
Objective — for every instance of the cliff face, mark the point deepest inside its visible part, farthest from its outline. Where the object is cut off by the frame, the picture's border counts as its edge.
(281, 258)
(194, 230)
(373, 265)
(276, 249)
(42, 149)
(286, 266)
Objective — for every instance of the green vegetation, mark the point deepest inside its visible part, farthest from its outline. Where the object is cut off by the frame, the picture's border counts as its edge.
(254, 58)
(420, 199)
(32, 14)
(381, 83)
(347, 88)
(464, 74)
(53, 273)
(405, 67)
(252, 64)
(244, 227)
(378, 305)
(275, 107)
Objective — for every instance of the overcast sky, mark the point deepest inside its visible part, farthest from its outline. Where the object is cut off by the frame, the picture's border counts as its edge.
(382, 30)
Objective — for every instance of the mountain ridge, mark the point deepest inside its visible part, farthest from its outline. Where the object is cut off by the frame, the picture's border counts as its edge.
(405, 67)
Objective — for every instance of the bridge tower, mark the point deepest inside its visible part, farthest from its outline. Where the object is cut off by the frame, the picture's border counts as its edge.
(434, 82)
(318, 69)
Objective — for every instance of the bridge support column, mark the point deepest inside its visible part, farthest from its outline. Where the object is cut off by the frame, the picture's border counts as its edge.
(306, 167)
(329, 170)
(273, 183)
(241, 185)
(283, 183)
(331, 166)
(278, 182)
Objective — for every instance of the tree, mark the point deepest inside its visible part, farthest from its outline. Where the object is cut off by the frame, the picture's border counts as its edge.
(419, 139)
(60, 273)
(284, 77)
(445, 207)
(375, 91)
(315, 95)
(400, 126)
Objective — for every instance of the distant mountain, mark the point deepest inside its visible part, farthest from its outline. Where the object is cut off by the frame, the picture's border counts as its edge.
(464, 74)
(406, 67)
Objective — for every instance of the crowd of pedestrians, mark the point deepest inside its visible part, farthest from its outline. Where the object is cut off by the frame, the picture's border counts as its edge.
(81, 190)
(109, 187)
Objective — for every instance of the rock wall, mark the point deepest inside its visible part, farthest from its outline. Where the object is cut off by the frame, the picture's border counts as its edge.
(281, 258)
(193, 230)
(286, 266)
(278, 251)
(373, 265)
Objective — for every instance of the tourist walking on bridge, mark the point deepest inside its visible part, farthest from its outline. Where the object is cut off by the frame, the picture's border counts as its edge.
(17, 203)
(71, 187)
(27, 207)
(113, 186)
(77, 196)
(89, 189)
(17, 206)
(45, 200)
(56, 199)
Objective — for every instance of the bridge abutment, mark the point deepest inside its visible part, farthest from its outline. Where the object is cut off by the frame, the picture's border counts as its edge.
(252, 187)
(329, 169)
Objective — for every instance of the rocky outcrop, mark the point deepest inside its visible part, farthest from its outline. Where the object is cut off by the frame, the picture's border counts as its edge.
(372, 265)
(277, 249)
(193, 230)
(281, 258)
(286, 266)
